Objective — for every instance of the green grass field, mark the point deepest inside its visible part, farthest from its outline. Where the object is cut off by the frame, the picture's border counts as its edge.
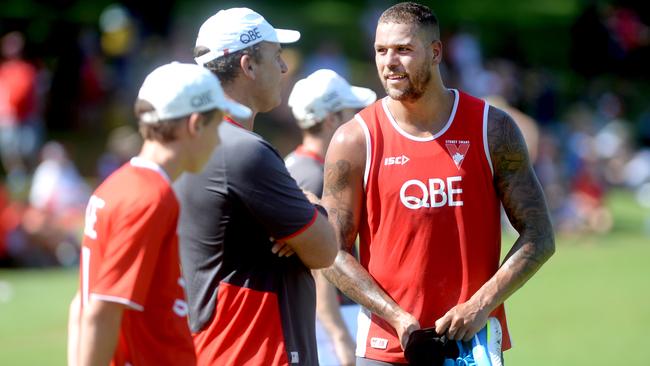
(590, 305)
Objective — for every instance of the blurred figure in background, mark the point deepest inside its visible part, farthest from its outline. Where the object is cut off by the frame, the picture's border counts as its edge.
(583, 208)
(328, 55)
(57, 187)
(320, 104)
(122, 143)
(19, 122)
(9, 223)
(57, 201)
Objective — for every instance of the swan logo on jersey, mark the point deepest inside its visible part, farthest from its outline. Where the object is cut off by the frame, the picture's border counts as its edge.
(396, 160)
(457, 150)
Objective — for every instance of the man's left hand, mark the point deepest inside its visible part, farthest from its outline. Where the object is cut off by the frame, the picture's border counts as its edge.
(462, 321)
(282, 249)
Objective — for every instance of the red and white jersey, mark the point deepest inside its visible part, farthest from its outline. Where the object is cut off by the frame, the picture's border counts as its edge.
(430, 230)
(130, 256)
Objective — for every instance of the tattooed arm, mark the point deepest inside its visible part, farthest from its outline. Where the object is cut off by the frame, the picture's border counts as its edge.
(342, 197)
(523, 200)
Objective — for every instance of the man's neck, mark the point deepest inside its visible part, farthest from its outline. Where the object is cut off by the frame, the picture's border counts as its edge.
(315, 144)
(239, 94)
(427, 115)
(164, 155)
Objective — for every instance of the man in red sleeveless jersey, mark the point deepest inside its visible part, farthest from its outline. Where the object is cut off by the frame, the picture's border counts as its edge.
(131, 307)
(420, 176)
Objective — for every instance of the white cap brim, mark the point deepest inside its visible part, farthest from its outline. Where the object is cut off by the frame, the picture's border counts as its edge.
(287, 35)
(236, 110)
(363, 97)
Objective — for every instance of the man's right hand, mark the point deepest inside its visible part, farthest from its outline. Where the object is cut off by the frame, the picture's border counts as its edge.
(313, 199)
(404, 325)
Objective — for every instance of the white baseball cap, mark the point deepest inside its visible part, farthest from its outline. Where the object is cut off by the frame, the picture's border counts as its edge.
(234, 29)
(177, 89)
(324, 92)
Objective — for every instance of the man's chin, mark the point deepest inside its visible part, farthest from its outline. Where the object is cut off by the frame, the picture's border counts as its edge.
(271, 105)
(401, 95)
(395, 93)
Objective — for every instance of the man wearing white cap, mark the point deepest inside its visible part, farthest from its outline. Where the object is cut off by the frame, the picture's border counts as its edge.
(250, 301)
(120, 315)
(320, 103)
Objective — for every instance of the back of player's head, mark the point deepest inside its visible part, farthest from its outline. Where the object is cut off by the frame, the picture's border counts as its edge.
(412, 13)
(174, 91)
(229, 34)
(324, 92)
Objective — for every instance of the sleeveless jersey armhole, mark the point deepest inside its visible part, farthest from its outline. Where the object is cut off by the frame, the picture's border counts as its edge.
(486, 146)
(366, 134)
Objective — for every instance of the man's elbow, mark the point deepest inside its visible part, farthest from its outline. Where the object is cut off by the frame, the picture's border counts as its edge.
(545, 246)
(549, 248)
(325, 258)
(332, 251)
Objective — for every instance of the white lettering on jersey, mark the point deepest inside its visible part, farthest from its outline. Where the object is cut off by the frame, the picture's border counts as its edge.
(180, 305)
(94, 204)
(439, 193)
(379, 343)
(180, 308)
(396, 160)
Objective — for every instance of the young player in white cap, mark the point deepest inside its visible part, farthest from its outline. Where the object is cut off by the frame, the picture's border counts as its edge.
(320, 103)
(131, 307)
(249, 303)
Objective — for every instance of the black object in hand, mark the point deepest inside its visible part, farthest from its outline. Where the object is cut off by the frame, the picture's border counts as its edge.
(426, 348)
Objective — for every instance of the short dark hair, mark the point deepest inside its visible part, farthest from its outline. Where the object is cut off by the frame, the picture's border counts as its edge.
(163, 130)
(317, 128)
(226, 67)
(412, 13)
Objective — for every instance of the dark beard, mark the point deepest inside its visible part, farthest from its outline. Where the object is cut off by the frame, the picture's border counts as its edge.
(415, 90)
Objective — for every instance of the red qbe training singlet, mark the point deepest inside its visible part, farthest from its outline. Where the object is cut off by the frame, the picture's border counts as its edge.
(130, 256)
(430, 230)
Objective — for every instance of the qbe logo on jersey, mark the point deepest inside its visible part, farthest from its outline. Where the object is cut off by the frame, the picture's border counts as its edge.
(432, 193)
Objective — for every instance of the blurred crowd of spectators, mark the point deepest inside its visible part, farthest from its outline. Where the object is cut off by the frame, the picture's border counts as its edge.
(581, 146)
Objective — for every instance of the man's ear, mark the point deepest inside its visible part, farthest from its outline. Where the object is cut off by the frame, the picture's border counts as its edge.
(331, 120)
(248, 66)
(436, 48)
(194, 124)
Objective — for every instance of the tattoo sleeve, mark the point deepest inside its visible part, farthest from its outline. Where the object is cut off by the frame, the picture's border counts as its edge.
(523, 200)
(342, 197)
(337, 182)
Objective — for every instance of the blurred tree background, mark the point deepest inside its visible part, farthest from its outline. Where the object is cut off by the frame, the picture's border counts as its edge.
(573, 73)
(95, 59)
